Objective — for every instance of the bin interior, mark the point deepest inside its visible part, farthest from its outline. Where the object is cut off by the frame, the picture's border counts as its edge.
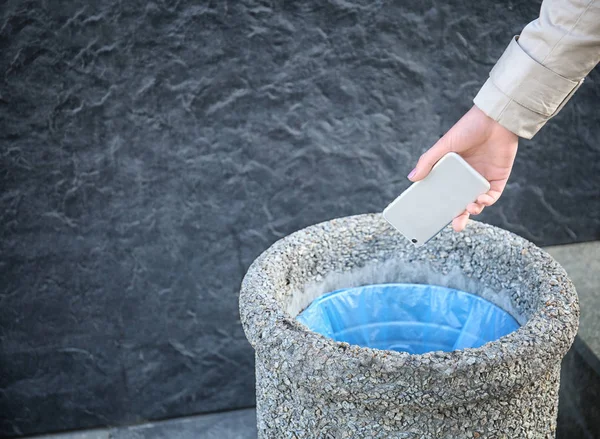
(413, 318)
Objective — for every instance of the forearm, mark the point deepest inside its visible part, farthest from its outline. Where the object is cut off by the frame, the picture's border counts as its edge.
(542, 68)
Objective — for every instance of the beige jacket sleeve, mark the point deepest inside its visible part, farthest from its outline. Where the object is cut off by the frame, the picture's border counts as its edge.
(543, 67)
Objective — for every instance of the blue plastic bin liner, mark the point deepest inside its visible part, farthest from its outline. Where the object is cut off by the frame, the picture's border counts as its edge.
(407, 317)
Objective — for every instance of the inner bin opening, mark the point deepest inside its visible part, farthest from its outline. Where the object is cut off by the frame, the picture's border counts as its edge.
(413, 318)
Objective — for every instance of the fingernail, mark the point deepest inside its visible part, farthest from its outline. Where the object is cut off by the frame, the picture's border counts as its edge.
(412, 173)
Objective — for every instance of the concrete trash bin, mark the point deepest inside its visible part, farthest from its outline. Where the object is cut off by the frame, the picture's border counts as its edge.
(310, 386)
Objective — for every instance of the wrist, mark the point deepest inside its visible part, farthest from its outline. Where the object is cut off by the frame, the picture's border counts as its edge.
(495, 126)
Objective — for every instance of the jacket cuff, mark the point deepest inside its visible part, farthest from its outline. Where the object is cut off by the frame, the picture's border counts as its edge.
(521, 94)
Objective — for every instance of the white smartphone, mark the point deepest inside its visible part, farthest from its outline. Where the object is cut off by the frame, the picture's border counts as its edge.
(429, 205)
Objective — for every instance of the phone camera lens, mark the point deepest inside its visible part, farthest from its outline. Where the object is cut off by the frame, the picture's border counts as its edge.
(414, 241)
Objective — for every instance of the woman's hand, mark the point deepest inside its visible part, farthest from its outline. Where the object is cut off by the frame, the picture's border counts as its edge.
(484, 144)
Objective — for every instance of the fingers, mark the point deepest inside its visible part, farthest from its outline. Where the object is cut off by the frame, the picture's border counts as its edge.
(482, 201)
(489, 198)
(460, 222)
(430, 158)
(475, 208)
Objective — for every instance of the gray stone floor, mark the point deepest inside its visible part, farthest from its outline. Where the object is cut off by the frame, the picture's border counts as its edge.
(238, 424)
(582, 262)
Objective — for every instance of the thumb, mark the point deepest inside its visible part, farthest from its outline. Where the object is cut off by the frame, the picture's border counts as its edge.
(430, 158)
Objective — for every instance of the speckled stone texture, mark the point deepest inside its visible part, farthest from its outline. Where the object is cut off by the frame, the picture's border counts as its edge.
(309, 386)
(151, 149)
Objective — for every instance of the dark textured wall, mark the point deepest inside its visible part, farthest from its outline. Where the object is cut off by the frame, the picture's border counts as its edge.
(151, 150)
